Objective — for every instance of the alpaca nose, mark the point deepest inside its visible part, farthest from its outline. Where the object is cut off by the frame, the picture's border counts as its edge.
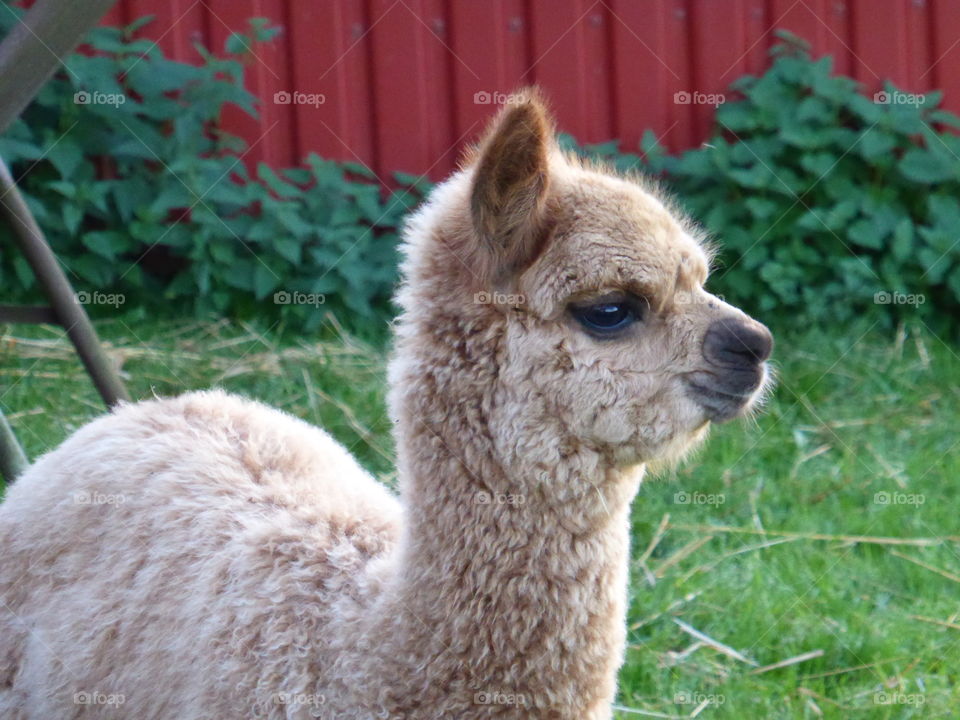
(732, 342)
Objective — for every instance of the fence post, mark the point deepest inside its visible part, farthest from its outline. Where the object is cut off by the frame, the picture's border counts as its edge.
(36, 46)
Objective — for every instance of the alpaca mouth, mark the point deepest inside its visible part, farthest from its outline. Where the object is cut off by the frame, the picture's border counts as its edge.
(725, 398)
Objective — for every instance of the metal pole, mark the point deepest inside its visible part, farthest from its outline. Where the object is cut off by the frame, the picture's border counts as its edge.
(29, 238)
(36, 47)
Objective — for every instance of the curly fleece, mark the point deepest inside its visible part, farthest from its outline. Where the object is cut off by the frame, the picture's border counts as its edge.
(206, 556)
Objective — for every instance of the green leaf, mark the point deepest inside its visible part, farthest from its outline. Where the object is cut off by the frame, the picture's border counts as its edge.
(841, 213)
(953, 282)
(801, 135)
(154, 78)
(864, 233)
(368, 202)
(923, 166)
(72, 217)
(240, 275)
(935, 264)
(761, 208)
(696, 163)
(417, 181)
(902, 244)
(237, 44)
(264, 230)
(944, 212)
(265, 280)
(262, 30)
(129, 196)
(292, 221)
(942, 117)
(298, 176)
(757, 177)
(12, 150)
(818, 164)
(288, 249)
(939, 240)
(137, 24)
(64, 188)
(906, 119)
(345, 214)
(66, 157)
(866, 110)
(23, 271)
(814, 110)
(174, 195)
(281, 188)
(92, 269)
(876, 144)
(104, 243)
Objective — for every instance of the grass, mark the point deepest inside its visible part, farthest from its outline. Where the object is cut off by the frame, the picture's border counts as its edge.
(338, 385)
(826, 531)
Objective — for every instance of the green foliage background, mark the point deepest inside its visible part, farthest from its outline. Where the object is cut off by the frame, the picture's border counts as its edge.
(827, 204)
(141, 194)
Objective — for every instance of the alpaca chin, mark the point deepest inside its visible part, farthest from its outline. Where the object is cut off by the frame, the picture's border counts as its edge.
(679, 450)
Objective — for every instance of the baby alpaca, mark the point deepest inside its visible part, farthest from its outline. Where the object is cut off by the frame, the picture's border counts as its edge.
(209, 557)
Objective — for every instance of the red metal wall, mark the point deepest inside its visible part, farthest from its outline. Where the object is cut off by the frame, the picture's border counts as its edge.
(399, 77)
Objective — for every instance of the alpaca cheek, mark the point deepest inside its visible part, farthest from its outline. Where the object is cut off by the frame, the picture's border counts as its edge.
(612, 426)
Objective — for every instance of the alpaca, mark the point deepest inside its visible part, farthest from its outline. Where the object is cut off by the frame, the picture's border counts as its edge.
(208, 557)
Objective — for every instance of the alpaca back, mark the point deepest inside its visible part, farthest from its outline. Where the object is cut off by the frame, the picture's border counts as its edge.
(206, 535)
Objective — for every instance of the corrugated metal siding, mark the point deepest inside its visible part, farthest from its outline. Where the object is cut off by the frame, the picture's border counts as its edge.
(404, 81)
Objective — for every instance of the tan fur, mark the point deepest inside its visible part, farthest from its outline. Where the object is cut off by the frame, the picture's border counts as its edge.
(509, 192)
(248, 567)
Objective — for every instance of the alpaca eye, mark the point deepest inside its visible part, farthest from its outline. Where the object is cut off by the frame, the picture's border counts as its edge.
(606, 317)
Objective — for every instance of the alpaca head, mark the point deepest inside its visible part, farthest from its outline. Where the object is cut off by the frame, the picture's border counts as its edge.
(578, 297)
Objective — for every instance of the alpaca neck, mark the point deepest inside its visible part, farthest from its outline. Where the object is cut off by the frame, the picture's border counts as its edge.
(504, 595)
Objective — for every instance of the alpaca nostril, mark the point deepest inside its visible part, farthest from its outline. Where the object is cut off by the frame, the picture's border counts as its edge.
(756, 342)
(732, 341)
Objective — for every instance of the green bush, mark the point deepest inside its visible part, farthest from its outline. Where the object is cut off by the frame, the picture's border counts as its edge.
(826, 204)
(140, 194)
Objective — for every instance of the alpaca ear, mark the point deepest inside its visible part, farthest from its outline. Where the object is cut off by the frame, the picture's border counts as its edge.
(510, 185)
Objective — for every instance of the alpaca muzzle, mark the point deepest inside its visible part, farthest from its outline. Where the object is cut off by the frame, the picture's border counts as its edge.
(735, 350)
